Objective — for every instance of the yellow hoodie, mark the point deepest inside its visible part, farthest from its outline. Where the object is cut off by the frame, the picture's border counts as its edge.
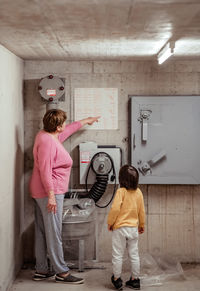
(127, 209)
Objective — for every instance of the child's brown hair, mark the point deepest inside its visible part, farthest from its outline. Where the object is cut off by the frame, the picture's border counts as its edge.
(128, 177)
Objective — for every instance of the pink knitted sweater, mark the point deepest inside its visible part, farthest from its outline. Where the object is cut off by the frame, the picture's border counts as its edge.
(52, 163)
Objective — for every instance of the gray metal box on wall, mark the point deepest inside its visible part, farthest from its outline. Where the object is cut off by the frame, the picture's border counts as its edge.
(165, 139)
(87, 150)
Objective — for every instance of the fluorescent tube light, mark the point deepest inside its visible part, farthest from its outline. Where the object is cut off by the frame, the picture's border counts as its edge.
(166, 52)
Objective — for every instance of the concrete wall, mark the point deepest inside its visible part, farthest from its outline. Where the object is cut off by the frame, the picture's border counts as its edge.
(173, 216)
(12, 164)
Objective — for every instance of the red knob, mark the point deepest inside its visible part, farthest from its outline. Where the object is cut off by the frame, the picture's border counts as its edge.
(39, 87)
(61, 88)
(50, 99)
(50, 77)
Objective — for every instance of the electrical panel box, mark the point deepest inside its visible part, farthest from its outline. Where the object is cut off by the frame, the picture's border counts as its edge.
(87, 150)
(165, 139)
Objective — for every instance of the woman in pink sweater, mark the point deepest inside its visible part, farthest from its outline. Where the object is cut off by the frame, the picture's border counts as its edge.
(48, 183)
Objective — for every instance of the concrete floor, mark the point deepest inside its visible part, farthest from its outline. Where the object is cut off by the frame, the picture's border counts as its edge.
(99, 279)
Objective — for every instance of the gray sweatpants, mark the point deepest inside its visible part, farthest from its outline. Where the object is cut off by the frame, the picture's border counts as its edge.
(48, 236)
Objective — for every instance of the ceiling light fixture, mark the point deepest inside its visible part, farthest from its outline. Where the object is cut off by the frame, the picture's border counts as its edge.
(166, 52)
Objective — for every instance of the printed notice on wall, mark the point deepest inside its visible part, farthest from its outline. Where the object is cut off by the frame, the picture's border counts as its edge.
(97, 102)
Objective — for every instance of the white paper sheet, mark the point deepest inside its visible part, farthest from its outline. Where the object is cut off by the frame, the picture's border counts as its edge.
(97, 101)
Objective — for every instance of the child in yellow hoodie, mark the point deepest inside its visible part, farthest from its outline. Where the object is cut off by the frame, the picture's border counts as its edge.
(126, 219)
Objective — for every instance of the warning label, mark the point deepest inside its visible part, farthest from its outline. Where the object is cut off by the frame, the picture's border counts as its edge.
(85, 157)
(51, 92)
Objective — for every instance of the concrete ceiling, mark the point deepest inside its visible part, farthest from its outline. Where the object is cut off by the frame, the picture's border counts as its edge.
(99, 29)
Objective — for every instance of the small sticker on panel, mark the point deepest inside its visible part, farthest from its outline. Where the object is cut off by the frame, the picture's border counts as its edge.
(85, 157)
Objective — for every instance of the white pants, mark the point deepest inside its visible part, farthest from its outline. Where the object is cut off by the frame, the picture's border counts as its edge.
(121, 238)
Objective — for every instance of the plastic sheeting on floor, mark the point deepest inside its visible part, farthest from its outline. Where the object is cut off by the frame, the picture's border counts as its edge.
(156, 269)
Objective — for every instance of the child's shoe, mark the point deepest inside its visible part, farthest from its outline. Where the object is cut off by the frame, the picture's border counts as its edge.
(117, 283)
(134, 284)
